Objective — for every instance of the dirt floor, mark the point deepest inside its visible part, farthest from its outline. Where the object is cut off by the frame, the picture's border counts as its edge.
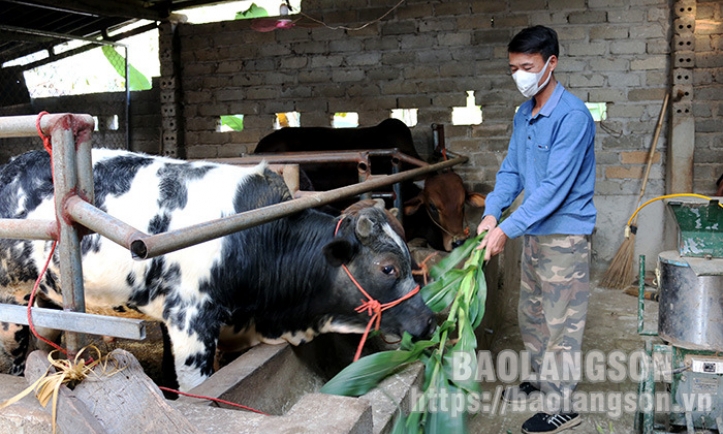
(611, 325)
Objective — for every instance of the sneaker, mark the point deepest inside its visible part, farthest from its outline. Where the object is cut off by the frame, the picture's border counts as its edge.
(520, 393)
(550, 423)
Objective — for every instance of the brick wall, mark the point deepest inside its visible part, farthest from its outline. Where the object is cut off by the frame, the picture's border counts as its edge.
(427, 54)
(707, 105)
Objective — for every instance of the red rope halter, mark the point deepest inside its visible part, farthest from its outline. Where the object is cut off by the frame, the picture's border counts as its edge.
(372, 306)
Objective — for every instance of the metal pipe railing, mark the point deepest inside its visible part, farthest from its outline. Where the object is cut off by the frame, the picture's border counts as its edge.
(74, 196)
(322, 157)
(156, 245)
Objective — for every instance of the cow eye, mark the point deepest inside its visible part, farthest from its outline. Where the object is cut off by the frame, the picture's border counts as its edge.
(389, 270)
(433, 208)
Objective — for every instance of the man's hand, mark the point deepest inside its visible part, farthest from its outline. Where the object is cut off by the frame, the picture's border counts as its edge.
(494, 241)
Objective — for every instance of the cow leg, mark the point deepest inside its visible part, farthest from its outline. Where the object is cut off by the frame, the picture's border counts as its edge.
(14, 344)
(169, 378)
(193, 329)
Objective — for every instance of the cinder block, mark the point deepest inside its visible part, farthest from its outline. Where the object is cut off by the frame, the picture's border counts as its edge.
(684, 59)
(684, 8)
(168, 110)
(588, 17)
(625, 15)
(444, 26)
(628, 47)
(609, 32)
(295, 62)
(709, 60)
(682, 76)
(347, 75)
(649, 62)
(399, 28)
(684, 25)
(384, 74)
(325, 61)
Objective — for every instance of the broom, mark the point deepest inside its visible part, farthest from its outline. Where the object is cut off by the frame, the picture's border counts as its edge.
(620, 273)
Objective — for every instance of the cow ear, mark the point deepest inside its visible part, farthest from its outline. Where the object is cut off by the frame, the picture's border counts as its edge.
(339, 252)
(364, 227)
(412, 205)
(476, 200)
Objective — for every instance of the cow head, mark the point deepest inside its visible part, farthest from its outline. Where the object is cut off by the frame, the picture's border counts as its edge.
(443, 198)
(378, 259)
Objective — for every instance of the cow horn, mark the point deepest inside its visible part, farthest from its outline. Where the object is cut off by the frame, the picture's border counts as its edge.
(364, 226)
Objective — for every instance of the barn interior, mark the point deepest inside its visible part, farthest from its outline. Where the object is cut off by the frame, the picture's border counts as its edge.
(217, 86)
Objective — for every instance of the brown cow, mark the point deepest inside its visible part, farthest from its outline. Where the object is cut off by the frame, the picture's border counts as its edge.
(441, 220)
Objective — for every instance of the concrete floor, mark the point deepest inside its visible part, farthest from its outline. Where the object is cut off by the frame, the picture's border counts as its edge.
(611, 325)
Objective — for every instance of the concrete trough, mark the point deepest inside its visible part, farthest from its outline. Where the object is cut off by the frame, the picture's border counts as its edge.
(270, 378)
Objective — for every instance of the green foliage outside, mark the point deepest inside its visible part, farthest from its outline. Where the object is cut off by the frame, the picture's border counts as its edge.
(464, 290)
(234, 122)
(136, 80)
(252, 12)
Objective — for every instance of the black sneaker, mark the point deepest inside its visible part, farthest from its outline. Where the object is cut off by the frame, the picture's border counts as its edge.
(519, 394)
(550, 423)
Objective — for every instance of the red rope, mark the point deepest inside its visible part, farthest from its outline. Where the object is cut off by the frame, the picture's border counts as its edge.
(46, 138)
(208, 398)
(372, 306)
(32, 300)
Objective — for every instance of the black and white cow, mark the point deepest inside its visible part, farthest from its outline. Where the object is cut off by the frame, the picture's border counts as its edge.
(281, 281)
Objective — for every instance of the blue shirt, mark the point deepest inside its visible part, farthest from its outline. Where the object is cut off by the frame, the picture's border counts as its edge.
(552, 158)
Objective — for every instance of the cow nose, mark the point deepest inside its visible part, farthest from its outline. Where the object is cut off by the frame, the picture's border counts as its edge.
(431, 326)
(457, 243)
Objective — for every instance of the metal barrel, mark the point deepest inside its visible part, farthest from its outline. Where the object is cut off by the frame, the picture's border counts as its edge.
(690, 304)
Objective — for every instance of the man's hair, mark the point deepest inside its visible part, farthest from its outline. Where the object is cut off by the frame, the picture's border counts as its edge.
(535, 40)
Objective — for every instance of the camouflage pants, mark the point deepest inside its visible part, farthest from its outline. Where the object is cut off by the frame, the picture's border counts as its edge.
(554, 291)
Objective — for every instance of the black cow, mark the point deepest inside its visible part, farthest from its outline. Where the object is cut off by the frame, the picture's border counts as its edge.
(434, 212)
(281, 281)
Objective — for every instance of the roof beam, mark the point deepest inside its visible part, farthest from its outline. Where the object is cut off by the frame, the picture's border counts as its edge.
(113, 8)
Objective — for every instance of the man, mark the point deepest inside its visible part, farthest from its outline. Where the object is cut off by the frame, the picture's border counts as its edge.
(550, 157)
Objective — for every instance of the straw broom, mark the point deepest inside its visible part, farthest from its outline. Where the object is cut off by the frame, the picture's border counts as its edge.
(620, 273)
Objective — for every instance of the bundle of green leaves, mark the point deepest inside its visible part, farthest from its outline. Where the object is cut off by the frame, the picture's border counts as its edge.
(462, 289)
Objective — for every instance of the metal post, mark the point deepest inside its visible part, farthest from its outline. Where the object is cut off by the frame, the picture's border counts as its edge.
(71, 274)
(364, 169)
(641, 300)
(397, 190)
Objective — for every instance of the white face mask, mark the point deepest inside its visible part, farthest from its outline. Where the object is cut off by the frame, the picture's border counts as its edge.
(527, 81)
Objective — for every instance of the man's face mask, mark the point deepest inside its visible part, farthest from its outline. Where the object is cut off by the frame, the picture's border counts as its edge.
(527, 81)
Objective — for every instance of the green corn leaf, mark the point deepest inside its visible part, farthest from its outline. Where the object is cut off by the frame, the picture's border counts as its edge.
(364, 374)
(413, 423)
(481, 300)
(440, 293)
(400, 425)
(136, 80)
(450, 417)
(455, 257)
(234, 122)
